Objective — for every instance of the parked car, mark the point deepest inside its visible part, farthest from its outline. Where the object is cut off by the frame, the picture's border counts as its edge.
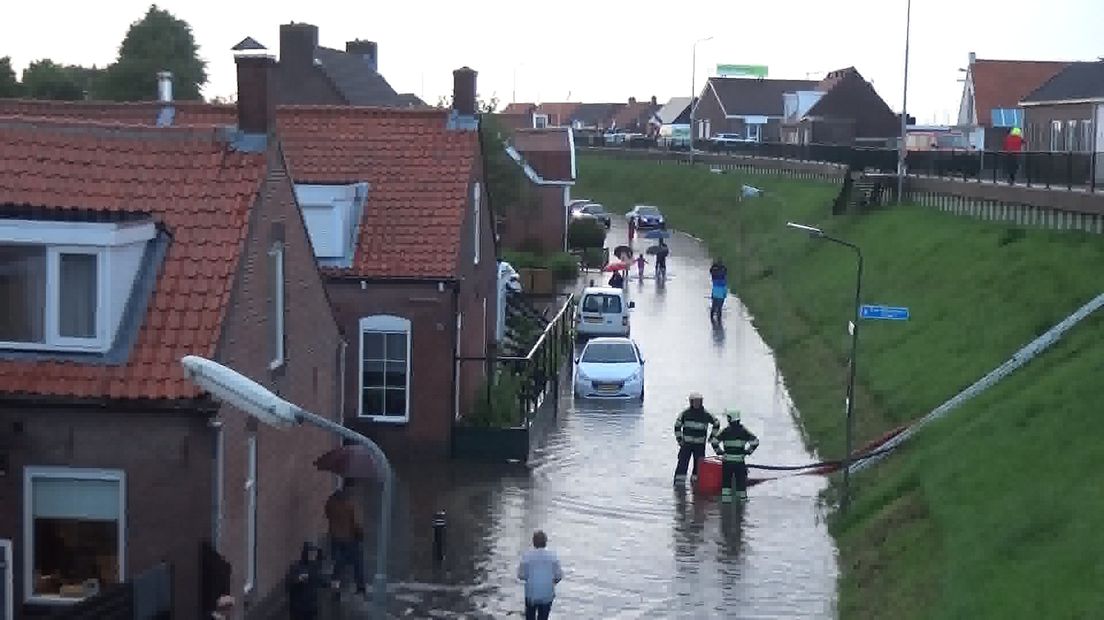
(730, 138)
(577, 204)
(593, 211)
(603, 311)
(646, 217)
(609, 368)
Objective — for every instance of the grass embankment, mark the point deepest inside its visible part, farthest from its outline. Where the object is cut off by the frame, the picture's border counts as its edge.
(992, 512)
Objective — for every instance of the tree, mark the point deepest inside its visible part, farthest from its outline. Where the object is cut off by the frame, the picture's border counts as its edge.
(9, 87)
(45, 79)
(482, 106)
(157, 42)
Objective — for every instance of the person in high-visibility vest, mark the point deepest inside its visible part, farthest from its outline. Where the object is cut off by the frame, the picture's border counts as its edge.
(692, 431)
(733, 444)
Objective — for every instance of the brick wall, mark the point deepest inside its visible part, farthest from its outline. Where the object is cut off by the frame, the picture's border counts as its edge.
(478, 298)
(166, 458)
(291, 492)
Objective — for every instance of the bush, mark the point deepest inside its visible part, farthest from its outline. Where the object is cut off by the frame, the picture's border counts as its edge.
(585, 233)
(594, 258)
(503, 410)
(564, 265)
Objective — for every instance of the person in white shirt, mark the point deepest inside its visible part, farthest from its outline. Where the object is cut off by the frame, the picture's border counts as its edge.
(540, 570)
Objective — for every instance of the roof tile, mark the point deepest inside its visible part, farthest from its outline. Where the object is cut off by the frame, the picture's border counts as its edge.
(1004, 83)
(188, 181)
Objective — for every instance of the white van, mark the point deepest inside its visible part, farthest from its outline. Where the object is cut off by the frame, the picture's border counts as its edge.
(603, 311)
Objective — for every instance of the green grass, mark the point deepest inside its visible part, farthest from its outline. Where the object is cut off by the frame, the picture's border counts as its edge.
(989, 513)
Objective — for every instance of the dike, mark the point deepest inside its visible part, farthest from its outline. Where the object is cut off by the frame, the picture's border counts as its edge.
(991, 512)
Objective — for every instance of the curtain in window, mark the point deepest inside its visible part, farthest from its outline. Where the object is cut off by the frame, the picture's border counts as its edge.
(77, 296)
(23, 289)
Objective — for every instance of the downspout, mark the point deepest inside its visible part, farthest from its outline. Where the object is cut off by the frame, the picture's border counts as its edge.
(217, 446)
(343, 348)
(455, 349)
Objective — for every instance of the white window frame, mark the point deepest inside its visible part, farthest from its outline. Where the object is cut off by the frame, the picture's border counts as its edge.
(477, 197)
(385, 323)
(53, 340)
(540, 121)
(250, 513)
(30, 473)
(276, 254)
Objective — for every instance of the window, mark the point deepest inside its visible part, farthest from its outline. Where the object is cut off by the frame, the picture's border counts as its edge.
(65, 284)
(55, 296)
(251, 513)
(1057, 140)
(754, 132)
(385, 368)
(477, 196)
(74, 524)
(1007, 117)
(276, 256)
(600, 302)
(540, 121)
(609, 353)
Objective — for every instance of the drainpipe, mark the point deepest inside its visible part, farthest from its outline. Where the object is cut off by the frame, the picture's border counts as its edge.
(216, 484)
(455, 349)
(343, 349)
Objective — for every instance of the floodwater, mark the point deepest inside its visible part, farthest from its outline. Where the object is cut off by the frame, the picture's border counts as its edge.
(633, 545)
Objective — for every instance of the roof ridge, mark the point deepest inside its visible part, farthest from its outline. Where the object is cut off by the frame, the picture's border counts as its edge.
(367, 110)
(109, 129)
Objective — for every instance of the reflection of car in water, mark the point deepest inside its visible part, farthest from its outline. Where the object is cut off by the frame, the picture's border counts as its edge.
(610, 368)
(603, 311)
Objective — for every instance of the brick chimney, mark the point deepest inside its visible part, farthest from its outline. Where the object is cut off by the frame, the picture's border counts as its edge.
(297, 44)
(463, 91)
(368, 50)
(632, 100)
(256, 102)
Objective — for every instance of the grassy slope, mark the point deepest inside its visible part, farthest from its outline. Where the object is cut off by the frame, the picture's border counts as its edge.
(989, 513)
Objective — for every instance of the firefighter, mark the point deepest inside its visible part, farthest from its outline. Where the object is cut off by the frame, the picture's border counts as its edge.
(692, 429)
(733, 444)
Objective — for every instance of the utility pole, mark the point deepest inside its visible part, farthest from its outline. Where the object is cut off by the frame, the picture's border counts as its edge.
(693, 90)
(902, 152)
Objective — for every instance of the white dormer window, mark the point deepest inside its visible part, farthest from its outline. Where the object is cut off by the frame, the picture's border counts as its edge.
(477, 196)
(540, 121)
(65, 284)
(332, 215)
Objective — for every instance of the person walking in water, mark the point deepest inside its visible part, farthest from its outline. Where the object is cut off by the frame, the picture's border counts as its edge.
(632, 229)
(661, 259)
(346, 535)
(692, 429)
(1013, 145)
(718, 273)
(640, 262)
(540, 570)
(733, 444)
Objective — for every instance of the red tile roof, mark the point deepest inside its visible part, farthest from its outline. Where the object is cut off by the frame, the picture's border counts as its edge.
(558, 113)
(1004, 83)
(192, 184)
(548, 151)
(518, 108)
(418, 171)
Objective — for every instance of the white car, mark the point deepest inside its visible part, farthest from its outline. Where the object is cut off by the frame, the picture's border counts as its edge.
(610, 368)
(603, 311)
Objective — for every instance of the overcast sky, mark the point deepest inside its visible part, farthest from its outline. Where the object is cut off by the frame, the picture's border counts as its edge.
(599, 50)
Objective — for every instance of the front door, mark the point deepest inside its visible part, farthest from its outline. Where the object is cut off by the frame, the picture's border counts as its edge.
(7, 605)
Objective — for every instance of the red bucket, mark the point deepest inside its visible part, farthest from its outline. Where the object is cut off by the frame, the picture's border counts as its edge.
(709, 476)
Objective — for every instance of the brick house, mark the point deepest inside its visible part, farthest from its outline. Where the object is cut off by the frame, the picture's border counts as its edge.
(842, 109)
(395, 203)
(310, 73)
(991, 95)
(547, 157)
(122, 249)
(750, 107)
(1066, 113)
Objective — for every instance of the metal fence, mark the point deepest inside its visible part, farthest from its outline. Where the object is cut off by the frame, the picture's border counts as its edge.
(540, 369)
(1069, 171)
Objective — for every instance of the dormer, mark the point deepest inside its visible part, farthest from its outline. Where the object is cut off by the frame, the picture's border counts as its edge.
(66, 285)
(332, 214)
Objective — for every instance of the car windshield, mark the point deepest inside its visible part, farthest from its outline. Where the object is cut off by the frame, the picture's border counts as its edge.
(647, 210)
(595, 209)
(609, 353)
(601, 302)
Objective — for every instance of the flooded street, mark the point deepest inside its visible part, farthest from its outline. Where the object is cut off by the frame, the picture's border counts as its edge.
(631, 544)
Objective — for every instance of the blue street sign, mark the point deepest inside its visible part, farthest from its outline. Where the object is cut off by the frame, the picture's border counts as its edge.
(883, 312)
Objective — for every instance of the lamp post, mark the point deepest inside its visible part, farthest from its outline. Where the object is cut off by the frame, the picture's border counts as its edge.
(233, 388)
(817, 233)
(693, 89)
(902, 152)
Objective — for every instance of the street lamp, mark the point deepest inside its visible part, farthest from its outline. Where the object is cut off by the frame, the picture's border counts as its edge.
(902, 152)
(241, 392)
(693, 89)
(854, 325)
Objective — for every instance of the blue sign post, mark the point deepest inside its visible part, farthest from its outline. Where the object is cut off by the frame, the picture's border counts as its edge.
(887, 313)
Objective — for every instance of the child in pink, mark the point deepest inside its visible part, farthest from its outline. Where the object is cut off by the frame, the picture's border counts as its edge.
(640, 262)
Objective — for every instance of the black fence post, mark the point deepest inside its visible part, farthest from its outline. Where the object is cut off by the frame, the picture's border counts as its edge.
(439, 526)
(1069, 170)
(1049, 167)
(1092, 172)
